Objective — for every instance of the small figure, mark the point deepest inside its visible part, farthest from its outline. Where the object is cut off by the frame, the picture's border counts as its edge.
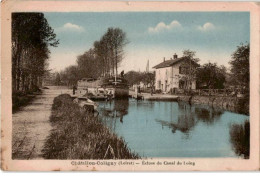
(139, 89)
(74, 89)
(122, 74)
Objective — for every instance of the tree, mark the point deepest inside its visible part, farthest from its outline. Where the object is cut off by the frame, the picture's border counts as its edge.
(190, 65)
(148, 78)
(31, 37)
(57, 80)
(134, 77)
(89, 65)
(211, 76)
(240, 66)
(110, 50)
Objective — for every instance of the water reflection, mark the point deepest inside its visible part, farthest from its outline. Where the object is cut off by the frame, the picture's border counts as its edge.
(240, 138)
(187, 116)
(208, 115)
(115, 109)
(172, 129)
(183, 120)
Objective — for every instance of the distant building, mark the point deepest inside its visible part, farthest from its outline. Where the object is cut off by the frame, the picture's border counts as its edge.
(172, 74)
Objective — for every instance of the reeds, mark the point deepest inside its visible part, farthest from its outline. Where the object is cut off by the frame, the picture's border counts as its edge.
(78, 135)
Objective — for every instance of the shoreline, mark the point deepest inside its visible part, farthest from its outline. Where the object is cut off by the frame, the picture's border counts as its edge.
(77, 130)
(233, 104)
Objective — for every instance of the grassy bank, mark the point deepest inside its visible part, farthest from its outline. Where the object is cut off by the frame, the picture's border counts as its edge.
(77, 135)
(20, 99)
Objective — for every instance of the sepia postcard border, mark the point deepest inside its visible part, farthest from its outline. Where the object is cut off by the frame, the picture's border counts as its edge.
(205, 164)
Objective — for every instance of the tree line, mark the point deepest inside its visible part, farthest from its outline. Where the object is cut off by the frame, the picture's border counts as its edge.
(31, 38)
(210, 75)
(103, 59)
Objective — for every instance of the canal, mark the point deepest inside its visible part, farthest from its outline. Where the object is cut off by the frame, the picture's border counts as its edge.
(176, 129)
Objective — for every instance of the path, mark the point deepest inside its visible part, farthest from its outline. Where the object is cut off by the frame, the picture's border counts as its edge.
(31, 125)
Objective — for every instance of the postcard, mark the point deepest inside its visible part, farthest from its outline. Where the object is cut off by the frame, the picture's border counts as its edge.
(130, 86)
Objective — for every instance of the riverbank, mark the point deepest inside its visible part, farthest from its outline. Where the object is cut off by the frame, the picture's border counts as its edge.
(77, 135)
(159, 97)
(31, 125)
(234, 104)
(20, 99)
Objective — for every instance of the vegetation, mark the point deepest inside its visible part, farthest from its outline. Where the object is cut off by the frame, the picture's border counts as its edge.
(77, 135)
(134, 77)
(240, 66)
(101, 60)
(31, 38)
(109, 50)
(191, 64)
(20, 99)
(210, 75)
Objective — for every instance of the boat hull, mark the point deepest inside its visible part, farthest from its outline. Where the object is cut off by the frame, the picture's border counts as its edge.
(118, 93)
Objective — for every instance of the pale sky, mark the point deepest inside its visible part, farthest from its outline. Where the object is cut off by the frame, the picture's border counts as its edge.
(152, 35)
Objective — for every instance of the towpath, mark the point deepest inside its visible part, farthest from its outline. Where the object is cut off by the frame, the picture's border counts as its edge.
(31, 125)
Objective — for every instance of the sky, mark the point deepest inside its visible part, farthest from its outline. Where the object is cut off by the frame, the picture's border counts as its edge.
(151, 35)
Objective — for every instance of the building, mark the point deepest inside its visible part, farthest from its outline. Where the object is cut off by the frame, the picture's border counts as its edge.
(174, 74)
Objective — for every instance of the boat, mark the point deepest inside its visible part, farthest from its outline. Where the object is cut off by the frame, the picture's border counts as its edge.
(104, 87)
(116, 87)
(88, 85)
(86, 103)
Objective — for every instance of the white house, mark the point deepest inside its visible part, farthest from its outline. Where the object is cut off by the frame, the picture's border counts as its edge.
(171, 73)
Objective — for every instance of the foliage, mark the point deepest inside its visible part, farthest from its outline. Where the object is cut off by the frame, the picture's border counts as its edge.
(109, 50)
(210, 75)
(31, 38)
(101, 60)
(240, 66)
(134, 77)
(190, 64)
(88, 65)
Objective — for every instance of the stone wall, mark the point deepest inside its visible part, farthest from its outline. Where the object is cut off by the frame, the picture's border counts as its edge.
(234, 104)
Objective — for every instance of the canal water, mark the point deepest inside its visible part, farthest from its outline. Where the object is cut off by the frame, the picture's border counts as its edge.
(172, 129)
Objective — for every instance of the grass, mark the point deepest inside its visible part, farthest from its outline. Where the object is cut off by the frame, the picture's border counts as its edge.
(20, 99)
(78, 135)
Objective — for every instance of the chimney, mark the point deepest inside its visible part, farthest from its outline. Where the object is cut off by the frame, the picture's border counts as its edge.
(164, 59)
(175, 56)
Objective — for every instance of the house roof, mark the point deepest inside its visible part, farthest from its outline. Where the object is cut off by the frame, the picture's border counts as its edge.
(169, 63)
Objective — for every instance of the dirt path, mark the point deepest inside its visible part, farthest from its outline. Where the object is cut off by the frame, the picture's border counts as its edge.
(31, 125)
